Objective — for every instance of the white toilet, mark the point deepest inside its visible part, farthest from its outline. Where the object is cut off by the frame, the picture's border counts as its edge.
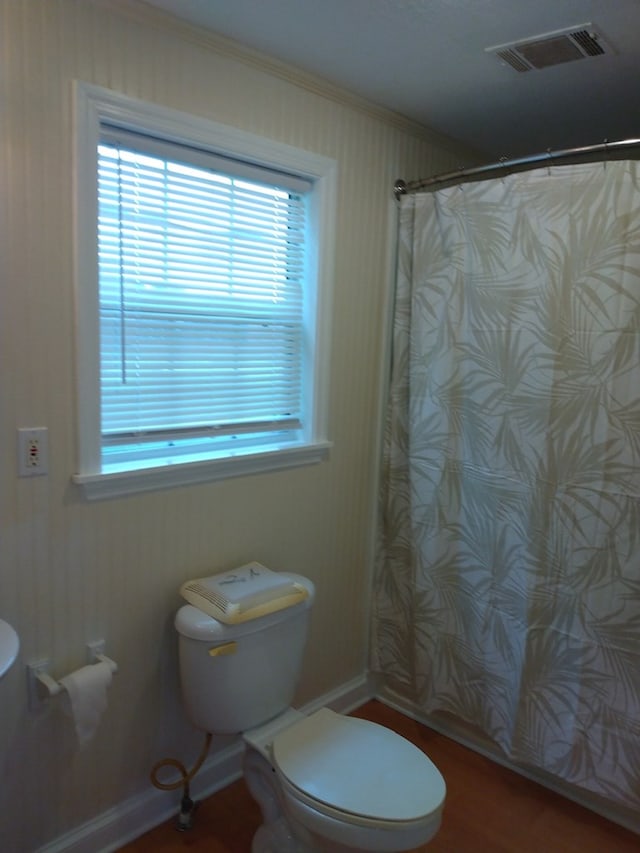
(325, 783)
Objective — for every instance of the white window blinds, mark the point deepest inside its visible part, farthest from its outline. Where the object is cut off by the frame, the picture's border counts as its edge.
(201, 290)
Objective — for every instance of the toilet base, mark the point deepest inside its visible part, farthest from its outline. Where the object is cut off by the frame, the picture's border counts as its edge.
(275, 837)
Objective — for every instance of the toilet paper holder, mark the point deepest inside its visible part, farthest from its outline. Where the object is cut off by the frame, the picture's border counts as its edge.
(43, 686)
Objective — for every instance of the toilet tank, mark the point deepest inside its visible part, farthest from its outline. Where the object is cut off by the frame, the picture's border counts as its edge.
(239, 674)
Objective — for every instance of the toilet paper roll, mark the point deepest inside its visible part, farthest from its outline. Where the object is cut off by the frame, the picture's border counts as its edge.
(87, 691)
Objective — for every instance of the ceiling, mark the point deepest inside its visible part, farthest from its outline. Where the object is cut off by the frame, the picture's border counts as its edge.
(427, 60)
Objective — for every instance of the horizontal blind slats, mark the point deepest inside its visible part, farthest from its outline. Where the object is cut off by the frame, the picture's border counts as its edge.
(201, 299)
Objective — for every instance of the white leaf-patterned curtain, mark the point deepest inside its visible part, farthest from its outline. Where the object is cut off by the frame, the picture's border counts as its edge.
(507, 588)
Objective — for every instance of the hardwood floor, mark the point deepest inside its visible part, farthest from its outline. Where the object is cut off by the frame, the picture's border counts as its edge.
(489, 809)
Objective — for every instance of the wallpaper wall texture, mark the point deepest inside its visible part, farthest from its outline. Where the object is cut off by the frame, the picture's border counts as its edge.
(73, 571)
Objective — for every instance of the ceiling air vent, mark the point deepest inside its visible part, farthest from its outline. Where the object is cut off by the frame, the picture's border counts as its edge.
(556, 48)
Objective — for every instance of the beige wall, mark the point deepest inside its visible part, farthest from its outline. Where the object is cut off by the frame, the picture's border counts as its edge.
(72, 571)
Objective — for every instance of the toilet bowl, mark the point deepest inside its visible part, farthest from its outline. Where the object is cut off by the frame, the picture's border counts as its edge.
(338, 783)
(325, 783)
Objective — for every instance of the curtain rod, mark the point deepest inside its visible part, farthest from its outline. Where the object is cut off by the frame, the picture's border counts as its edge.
(401, 187)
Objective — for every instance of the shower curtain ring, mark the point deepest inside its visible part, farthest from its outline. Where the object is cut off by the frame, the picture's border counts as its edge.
(399, 188)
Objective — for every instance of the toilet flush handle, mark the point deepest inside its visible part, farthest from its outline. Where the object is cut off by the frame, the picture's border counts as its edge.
(224, 649)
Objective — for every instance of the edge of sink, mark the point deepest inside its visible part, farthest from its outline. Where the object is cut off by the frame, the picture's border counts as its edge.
(9, 646)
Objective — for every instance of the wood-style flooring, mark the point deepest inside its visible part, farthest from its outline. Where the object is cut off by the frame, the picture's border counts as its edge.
(489, 809)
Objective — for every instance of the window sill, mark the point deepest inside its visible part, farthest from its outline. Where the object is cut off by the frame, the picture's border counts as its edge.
(121, 483)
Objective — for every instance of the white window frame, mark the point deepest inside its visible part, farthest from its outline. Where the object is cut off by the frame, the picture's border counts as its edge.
(95, 106)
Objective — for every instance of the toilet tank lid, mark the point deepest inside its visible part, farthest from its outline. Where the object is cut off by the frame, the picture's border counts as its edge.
(246, 593)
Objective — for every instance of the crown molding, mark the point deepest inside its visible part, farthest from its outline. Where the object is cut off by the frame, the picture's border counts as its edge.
(145, 14)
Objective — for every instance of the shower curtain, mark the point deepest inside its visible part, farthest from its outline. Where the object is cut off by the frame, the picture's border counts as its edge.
(507, 584)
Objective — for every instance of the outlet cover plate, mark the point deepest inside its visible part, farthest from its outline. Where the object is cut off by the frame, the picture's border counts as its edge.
(33, 451)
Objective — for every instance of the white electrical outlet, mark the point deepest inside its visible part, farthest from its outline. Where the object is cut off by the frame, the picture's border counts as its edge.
(33, 451)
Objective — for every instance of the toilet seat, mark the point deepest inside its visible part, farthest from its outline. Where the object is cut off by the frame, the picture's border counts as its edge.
(357, 771)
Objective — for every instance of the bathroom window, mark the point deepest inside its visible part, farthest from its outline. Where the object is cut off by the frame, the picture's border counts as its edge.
(203, 281)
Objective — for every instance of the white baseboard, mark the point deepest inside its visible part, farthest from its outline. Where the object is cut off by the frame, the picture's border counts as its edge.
(344, 698)
(133, 817)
